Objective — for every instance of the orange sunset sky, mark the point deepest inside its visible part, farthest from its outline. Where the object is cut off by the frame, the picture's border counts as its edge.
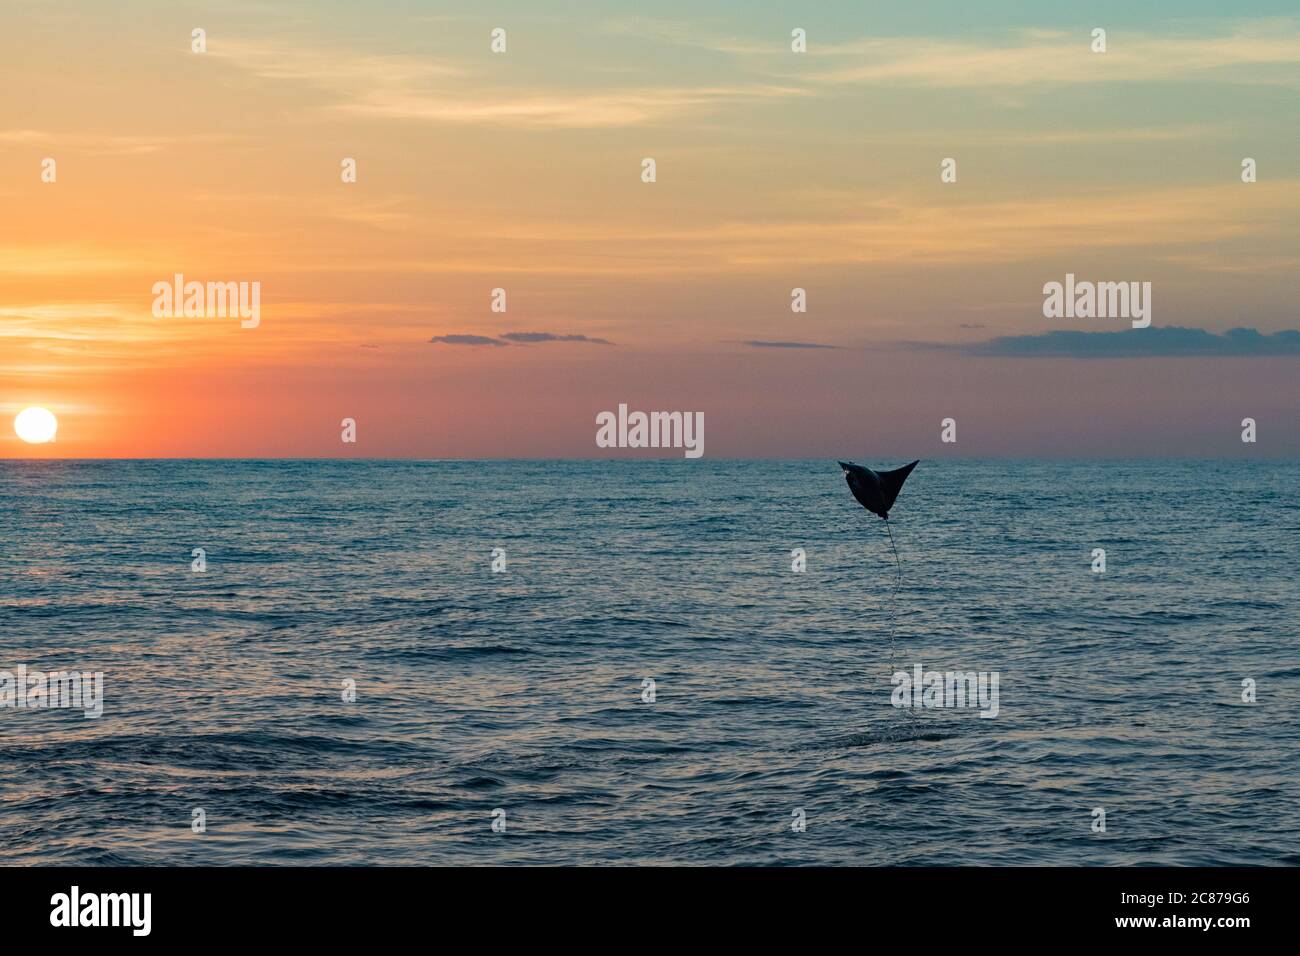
(522, 171)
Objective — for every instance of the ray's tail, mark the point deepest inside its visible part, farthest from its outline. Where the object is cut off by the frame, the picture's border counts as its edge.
(893, 611)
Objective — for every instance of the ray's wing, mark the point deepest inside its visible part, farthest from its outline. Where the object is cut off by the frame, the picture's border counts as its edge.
(891, 482)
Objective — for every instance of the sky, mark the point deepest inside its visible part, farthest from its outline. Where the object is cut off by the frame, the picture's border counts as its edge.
(774, 170)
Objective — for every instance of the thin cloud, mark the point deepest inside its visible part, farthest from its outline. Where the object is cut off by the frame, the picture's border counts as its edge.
(552, 337)
(522, 338)
(408, 88)
(1043, 59)
(754, 343)
(121, 145)
(688, 33)
(1247, 52)
(561, 109)
(1156, 341)
(467, 340)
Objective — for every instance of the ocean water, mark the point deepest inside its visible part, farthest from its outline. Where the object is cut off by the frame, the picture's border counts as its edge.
(522, 691)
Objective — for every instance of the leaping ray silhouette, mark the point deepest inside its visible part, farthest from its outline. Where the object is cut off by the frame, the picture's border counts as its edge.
(876, 490)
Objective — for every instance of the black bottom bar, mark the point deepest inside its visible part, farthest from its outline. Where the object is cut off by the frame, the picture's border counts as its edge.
(366, 905)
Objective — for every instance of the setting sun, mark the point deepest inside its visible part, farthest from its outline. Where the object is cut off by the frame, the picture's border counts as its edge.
(36, 425)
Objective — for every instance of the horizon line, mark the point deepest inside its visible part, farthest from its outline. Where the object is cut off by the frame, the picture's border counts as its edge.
(645, 458)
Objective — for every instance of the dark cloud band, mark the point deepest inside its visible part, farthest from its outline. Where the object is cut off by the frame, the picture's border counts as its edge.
(1136, 343)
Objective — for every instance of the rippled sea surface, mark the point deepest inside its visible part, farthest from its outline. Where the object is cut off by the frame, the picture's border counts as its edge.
(523, 690)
